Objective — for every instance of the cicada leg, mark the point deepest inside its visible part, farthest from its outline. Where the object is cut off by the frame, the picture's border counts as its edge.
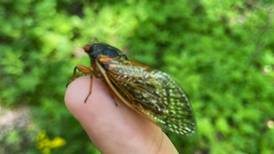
(83, 69)
(90, 88)
(86, 71)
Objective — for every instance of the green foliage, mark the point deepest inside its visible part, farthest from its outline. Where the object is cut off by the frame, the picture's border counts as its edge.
(220, 52)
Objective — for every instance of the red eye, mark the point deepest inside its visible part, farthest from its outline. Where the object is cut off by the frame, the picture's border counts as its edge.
(87, 48)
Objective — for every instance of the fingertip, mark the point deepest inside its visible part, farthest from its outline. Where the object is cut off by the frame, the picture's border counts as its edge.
(75, 93)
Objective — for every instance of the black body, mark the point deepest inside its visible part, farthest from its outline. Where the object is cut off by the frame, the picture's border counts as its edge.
(96, 49)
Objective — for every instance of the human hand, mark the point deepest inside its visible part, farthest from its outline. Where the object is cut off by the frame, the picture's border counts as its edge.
(114, 129)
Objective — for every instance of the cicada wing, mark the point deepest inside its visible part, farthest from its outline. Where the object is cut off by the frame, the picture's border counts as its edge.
(155, 92)
(120, 93)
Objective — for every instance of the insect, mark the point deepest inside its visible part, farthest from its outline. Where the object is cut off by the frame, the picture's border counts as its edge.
(149, 92)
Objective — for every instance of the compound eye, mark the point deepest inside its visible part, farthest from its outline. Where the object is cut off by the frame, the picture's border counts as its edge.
(87, 48)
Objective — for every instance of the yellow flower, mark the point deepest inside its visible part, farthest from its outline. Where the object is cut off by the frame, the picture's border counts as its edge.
(57, 142)
(44, 144)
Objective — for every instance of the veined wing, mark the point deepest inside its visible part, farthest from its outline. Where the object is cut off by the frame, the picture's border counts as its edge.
(154, 92)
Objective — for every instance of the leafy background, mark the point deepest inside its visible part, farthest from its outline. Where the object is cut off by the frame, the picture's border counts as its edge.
(220, 52)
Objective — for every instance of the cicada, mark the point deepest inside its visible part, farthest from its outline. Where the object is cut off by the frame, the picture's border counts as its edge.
(149, 92)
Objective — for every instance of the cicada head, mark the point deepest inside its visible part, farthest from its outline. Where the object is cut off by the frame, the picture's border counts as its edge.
(102, 49)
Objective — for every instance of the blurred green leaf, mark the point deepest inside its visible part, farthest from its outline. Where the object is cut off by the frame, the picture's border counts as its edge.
(219, 52)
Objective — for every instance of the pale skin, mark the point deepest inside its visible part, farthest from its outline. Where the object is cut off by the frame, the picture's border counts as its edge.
(111, 126)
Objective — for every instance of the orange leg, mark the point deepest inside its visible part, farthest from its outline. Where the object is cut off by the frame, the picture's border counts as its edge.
(90, 88)
(85, 70)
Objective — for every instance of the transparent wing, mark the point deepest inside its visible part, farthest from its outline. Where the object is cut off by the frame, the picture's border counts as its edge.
(155, 92)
